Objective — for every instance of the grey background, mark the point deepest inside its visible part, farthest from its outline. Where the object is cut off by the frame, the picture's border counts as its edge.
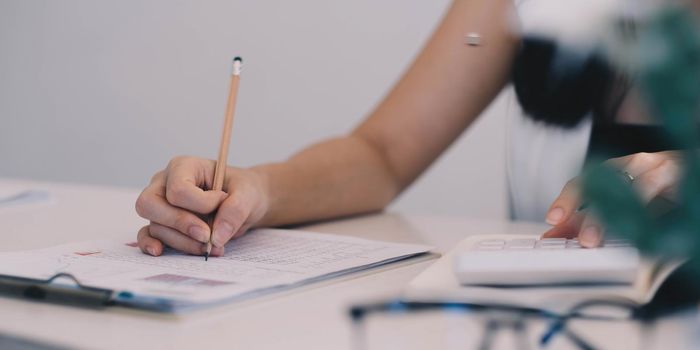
(105, 92)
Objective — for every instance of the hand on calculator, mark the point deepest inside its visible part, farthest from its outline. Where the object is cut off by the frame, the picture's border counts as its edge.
(651, 174)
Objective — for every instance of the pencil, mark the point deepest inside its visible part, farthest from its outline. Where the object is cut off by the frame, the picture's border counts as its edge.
(220, 170)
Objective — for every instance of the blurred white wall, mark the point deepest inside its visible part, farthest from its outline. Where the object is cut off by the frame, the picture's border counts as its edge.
(106, 92)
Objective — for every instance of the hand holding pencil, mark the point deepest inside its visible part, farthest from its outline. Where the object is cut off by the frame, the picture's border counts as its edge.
(191, 188)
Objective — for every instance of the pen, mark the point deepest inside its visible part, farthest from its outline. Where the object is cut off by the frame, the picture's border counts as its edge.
(220, 170)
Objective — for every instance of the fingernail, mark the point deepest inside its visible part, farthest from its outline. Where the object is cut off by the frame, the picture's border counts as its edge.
(223, 231)
(554, 216)
(589, 237)
(151, 251)
(199, 233)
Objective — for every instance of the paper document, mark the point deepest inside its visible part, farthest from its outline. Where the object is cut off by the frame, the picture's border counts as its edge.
(261, 261)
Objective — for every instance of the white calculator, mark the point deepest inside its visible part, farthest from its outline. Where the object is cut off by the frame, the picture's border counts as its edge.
(508, 260)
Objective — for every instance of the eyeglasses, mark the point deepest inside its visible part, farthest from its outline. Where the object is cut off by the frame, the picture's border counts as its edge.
(494, 320)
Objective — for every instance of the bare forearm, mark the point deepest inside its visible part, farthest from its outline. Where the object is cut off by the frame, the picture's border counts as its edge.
(445, 89)
(337, 177)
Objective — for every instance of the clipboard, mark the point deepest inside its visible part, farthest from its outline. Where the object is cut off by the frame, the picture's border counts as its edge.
(76, 294)
(52, 291)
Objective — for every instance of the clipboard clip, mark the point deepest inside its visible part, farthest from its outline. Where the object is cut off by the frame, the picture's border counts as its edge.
(51, 291)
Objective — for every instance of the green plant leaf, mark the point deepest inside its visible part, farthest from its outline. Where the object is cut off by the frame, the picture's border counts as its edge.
(669, 49)
(616, 203)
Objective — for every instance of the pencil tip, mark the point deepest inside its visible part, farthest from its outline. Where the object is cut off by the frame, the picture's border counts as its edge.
(238, 58)
(206, 256)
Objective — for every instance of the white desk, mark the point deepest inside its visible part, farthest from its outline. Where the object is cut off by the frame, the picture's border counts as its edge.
(314, 317)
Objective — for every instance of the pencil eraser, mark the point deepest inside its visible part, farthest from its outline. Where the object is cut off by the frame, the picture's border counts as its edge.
(238, 59)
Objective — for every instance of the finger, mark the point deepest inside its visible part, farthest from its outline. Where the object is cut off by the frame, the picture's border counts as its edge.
(658, 180)
(232, 215)
(565, 204)
(567, 229)
(241, 231)
(148, 244)
(155, 188)
(178, 241)
(186, 177)
(638, 163)
(591, 233)
(151, 205)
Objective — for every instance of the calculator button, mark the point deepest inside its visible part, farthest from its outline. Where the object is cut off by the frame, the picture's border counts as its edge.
(553, 240)
(551, 243)
(551, 246)
(521, 244)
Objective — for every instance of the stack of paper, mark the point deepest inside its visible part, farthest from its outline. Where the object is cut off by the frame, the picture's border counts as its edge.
(259, 262)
